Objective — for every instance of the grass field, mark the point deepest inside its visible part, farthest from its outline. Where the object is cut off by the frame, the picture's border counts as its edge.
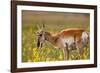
(54, 23)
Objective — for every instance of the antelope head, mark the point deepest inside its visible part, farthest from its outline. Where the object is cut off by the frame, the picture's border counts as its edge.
(40, 37)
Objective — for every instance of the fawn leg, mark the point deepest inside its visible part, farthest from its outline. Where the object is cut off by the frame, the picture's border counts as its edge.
(66, 52)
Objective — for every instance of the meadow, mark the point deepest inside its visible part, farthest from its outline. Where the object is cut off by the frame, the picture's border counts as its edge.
(54, 23)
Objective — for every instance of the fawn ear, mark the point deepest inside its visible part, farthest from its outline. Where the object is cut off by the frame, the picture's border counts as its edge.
(37, 33)
(43, 27)
(38, 27)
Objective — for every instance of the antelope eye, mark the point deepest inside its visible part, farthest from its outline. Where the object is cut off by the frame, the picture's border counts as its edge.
(40, 34)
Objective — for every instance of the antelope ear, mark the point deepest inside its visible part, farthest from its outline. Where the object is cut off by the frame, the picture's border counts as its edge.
(37, 33)
(43, 27)
(38, 27)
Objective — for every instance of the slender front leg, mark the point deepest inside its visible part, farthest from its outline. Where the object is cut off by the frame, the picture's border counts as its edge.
(66, 52)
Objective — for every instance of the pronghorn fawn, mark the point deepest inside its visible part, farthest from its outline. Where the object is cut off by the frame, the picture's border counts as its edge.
(66, 40)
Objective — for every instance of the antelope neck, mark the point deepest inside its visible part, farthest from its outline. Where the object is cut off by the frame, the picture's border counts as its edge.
(50, 38)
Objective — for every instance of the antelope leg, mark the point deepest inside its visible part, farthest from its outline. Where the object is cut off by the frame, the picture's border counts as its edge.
(66, 52)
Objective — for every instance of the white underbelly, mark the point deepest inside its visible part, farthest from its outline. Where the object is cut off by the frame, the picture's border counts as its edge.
(68, 40)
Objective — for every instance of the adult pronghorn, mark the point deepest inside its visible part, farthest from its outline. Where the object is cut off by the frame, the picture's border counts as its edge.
(67, 39)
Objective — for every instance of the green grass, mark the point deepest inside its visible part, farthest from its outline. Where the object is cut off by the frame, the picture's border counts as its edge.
(54, 23)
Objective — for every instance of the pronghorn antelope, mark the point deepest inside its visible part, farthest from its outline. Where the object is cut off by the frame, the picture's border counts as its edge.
(66, 40)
